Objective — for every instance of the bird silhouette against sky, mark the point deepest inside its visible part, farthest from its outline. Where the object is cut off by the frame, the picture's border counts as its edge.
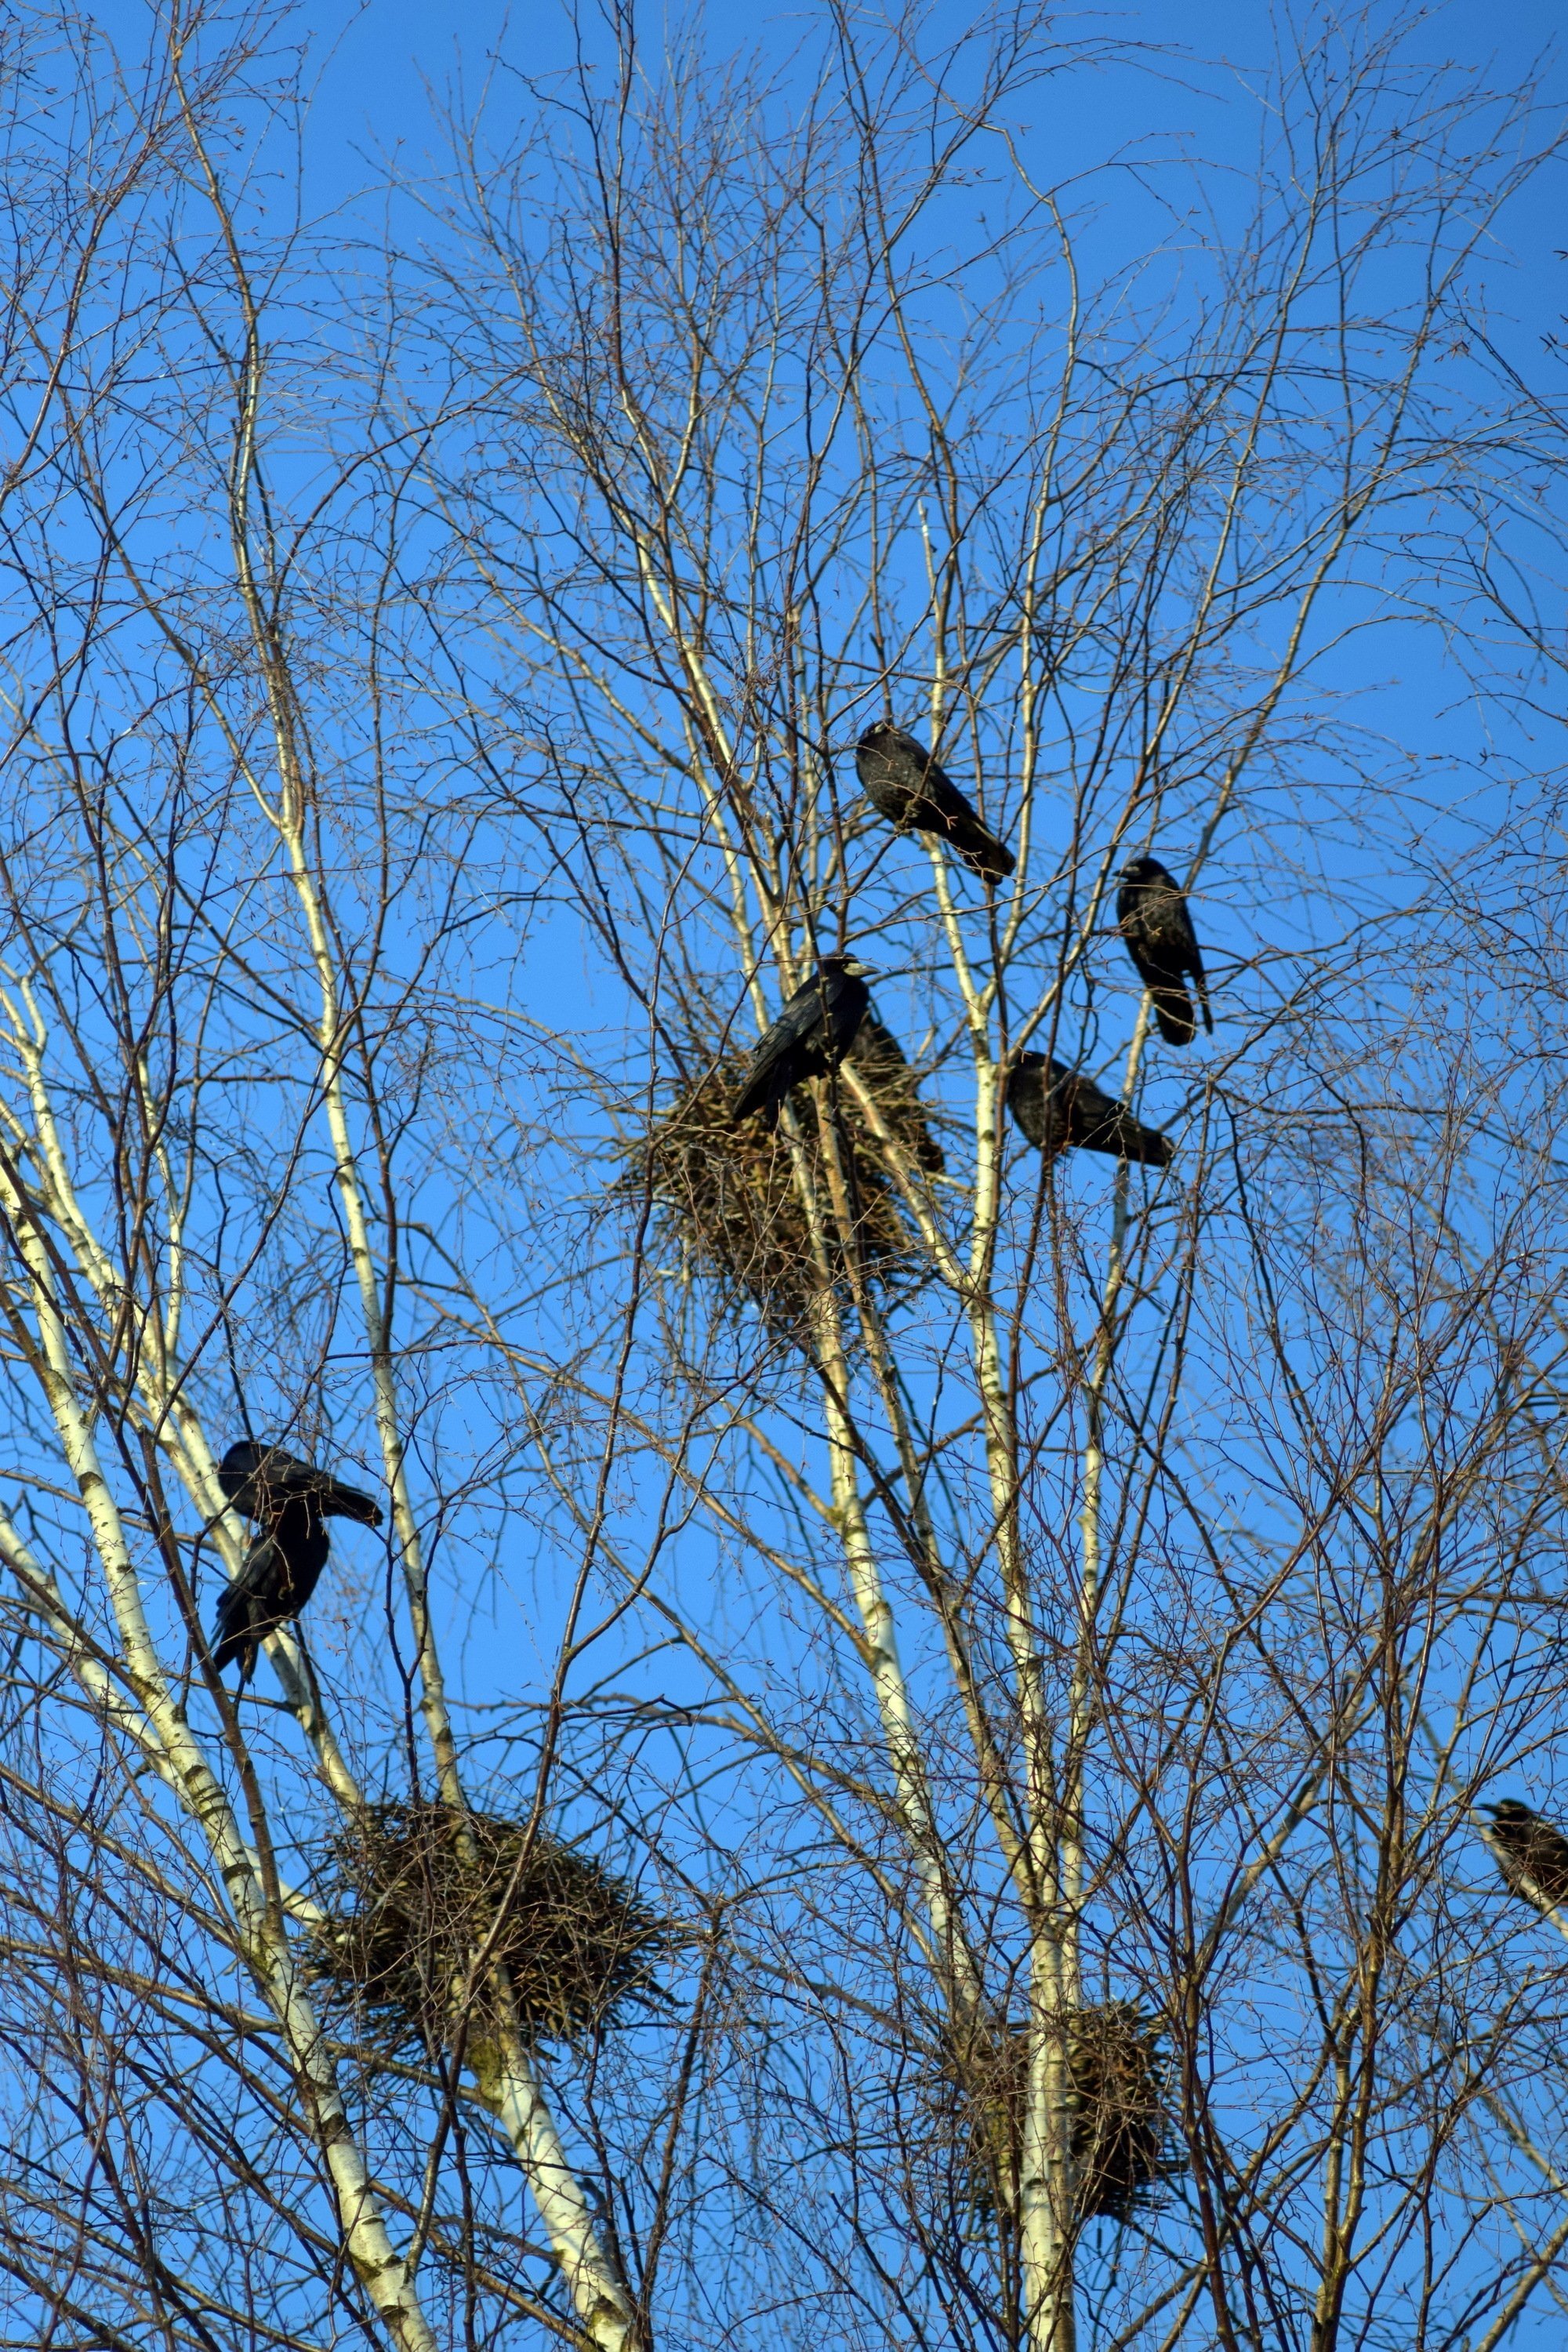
(292, 1500)
(1059, 1109)
(904, 783)
(1528, 1847)
(1153, 917)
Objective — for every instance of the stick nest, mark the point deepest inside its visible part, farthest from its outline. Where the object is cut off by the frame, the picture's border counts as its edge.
(1121, 2121)
(732, 1198)
(413, 1892)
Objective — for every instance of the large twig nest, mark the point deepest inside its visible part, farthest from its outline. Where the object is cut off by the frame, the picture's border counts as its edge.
(414, 1890)
(732, 1199)
(1119, 2079)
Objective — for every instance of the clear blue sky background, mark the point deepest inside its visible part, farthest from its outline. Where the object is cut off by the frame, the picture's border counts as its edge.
(378, 71)
(378, 65)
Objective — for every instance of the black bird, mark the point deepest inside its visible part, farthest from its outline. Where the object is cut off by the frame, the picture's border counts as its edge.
(905, 785)
(879, 1059)
(1528, 1847)
(811, 1036)
(1157, 930)
(293, 1501)
(281, 1570)
(1057, 1108)
(259, 1480)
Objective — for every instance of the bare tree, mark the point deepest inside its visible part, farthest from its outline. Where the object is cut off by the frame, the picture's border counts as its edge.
(987, 1852)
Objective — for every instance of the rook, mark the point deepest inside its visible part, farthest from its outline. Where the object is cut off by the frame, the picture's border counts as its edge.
(259, 1480)
(1157, 930)
(811, 1036)
(905, 785)
(281, 1570)
(1529, 1848)
(1057, 1108)
(293, 1501)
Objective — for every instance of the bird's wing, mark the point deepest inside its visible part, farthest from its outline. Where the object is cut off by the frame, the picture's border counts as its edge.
(797, 1019)
(247, 1609)
(280, 1468)
(941, 796)
(1152, 930)
(1101, 1123)
(261, 1571)
(941, 805)
(1195, 966)
(1135, 939)
(980, 849)
(1184, 938)
(271, 1481)
(781, 1041)
(847, 1000)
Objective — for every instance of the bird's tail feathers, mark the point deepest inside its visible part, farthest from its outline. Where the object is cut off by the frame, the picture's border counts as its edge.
(750, 1104)
(1122, 1137)
(341, 1502)
(1173, 1012)
(980, 850)
(1146, 1145)
(230, 1641)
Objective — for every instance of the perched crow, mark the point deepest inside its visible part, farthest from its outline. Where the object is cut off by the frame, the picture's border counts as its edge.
(1152, 915)
(1057, 1108)
(280, 1572)
(292, 1500)
(259, 1480)
(812, 1034)
(1528, 1847)
(879, 1059)
(905, 785)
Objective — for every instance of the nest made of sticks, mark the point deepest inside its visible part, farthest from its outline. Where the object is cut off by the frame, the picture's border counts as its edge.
(1119, 2078)
(413, 1890)
(731, 1196)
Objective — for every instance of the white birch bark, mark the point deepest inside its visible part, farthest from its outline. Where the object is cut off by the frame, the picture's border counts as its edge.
(1045, 2185)
(600, 2295)
(379, 2269)
(160, 1404)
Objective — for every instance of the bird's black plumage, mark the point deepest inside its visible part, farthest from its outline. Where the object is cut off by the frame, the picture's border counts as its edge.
(1529, 1848)
(904, 783)
(259, 1480)
(1156, 927)
(280, 1572)
(1058, 1108)
(293, 1501)
(811, 1036)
